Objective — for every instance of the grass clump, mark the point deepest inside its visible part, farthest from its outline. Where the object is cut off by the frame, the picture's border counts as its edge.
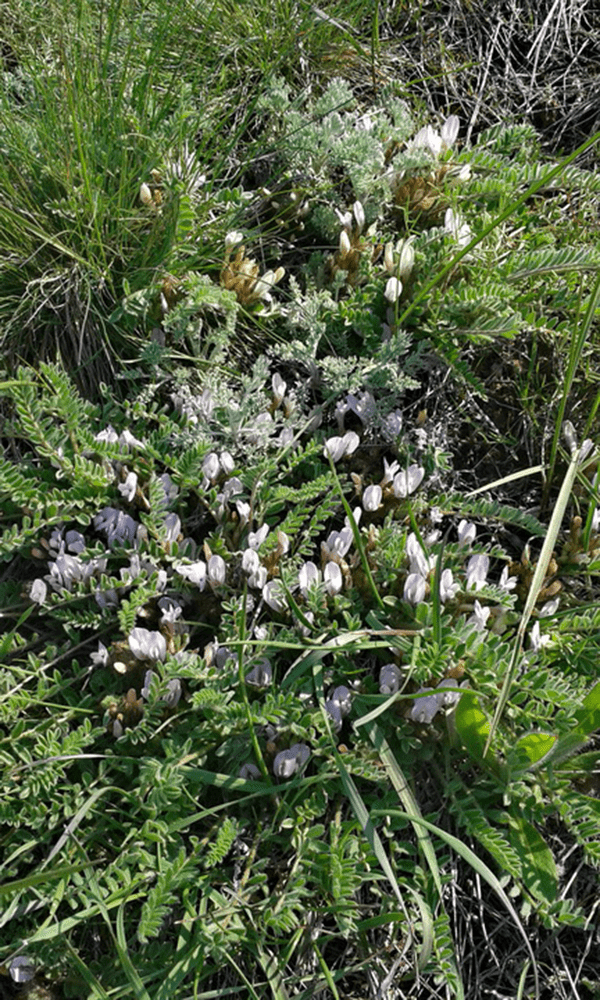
(285, 673)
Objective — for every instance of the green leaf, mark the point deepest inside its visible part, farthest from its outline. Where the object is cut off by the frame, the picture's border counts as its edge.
(539, 869)
(472, 724)
(588, 717)
(535, 747)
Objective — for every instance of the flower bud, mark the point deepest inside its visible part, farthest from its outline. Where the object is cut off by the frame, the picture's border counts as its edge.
(146, 195)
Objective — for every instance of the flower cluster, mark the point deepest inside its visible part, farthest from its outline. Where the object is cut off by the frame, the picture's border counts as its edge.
(241, 274)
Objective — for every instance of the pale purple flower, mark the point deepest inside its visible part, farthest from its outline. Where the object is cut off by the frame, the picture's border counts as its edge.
(389, 679)
(173, 693)
(343, 698)
(466, 533)
(172, 527)
(414, 588)
(261, 674)
(274, 595)
(232, 487)
(145, 690)
(249, 772)
(170, 610)
(169, 488)
(117, 526)
(289, 761)
(332, 578)
(477, 570)
(371, 498)
(426, 707)
(447, 698)
(21, 969)
(334, 713)
(147, 645)
(75, 542)
(407, 481)
(392, 427)
(194, 572)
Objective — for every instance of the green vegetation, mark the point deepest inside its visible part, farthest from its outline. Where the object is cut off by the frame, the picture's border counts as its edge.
(300, 526)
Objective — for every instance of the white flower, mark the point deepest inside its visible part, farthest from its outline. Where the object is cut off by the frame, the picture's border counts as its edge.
(250, 561)
(538, 641)
(100, 658)
(549, 608)
(479, 617)
(38, 591)
(258, 579)
(170, 610)
(227, 464)
(337, 447)
(407, 259)
(393, 289)
(128, 488)
(345, 246)
(425, 708)
(507, 583)
(243, 510)
(414, 588)
(477, 570)
(147, 645)
(389, 679)
(146, 195)
(407, 481)
(450, 130)
(274, 595)
(428, 139)
(279, 387)
(419, 562)
(371, 498)
(195, 573)
(211, 467)
(466, 533)
(308, 576)
(332, 578)
(359, 215)
(458, 229)
(289, 761)
(261, 674)
(216, 569)
(233, 239)
(256, 538)
(448, 588)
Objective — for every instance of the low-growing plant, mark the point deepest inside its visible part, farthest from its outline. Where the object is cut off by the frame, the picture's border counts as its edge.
(231, 651)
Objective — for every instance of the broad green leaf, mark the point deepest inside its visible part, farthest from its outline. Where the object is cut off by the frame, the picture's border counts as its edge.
(472, 724)
(535, 747)
(588, 717)
(539, 869)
